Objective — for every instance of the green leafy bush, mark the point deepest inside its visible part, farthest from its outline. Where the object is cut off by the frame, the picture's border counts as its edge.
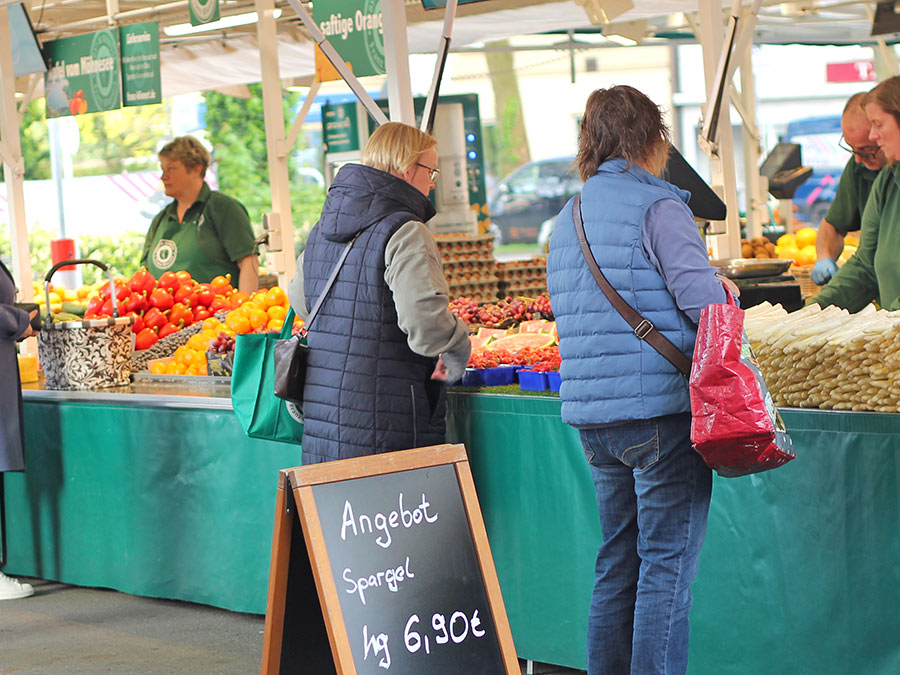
(122, 252)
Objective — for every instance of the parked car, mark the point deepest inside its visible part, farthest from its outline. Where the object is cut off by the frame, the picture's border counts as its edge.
(530, 195)
(819, 146)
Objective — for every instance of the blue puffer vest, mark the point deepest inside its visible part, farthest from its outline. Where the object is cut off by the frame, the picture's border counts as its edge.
(366, 391)
(608, 374)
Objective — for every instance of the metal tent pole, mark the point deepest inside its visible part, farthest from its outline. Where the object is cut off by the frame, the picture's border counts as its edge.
(716, 137)
(396, 61)
(277, 148)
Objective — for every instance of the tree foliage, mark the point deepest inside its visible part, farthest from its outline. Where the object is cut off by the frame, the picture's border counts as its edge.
(35, 142)
(121, 252)
(237, 133)
(111, 141)
(510, 138)
(116, 140)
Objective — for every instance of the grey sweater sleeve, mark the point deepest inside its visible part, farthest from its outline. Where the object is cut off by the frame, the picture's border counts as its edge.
(414, 273)
(296, 293)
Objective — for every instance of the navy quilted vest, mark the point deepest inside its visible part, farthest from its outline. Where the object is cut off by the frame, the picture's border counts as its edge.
(608, 374)
(366, 391)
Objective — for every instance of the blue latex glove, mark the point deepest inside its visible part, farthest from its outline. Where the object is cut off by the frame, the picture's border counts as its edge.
(823, 271)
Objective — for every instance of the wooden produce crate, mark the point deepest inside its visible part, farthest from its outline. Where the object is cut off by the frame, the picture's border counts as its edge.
(469, 265)
(522, 277)
(808, 288)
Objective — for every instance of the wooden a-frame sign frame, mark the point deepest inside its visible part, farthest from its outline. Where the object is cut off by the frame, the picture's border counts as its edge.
(293, 566)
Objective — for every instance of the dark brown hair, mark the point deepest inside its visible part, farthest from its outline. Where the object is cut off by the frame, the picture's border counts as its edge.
(887, 95)
(621, 122)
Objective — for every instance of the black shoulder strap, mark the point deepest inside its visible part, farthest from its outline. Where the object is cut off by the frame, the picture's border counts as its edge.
(643, 329)
(328, 285)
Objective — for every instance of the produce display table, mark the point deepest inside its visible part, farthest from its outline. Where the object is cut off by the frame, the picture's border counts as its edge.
(157, 493)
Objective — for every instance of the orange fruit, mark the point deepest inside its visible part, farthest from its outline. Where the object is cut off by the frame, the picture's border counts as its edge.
(807, 255)
(275, 325)
(178, 369)
(211, 323)
(257, 318)
(276, 312)
(158, 368)
(805, 236)
(788, 253)
(238, 298)
(275, 296)
(239, 323)
(186, 356)
(786, 240)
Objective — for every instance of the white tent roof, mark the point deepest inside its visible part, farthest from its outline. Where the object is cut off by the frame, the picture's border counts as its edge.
(213, 60)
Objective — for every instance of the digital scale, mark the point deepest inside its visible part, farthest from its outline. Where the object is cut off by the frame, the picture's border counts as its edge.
(783, 290)
(761, 280)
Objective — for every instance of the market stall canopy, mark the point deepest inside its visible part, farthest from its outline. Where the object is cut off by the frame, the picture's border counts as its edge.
(229, 56)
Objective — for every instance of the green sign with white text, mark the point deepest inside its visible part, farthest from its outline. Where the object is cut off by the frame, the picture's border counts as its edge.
(340, 128)
(84, 74)
(354, 29)
(140, 64)
(203, 11)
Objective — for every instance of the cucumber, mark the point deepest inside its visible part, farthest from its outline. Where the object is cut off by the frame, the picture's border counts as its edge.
(76, 308)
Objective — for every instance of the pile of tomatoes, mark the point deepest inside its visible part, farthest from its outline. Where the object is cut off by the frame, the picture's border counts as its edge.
(164, 306)
(543, 358)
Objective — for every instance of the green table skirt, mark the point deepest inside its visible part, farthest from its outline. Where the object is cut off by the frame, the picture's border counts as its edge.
(800, 572)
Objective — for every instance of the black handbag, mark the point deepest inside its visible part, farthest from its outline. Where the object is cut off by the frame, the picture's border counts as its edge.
(292, 354)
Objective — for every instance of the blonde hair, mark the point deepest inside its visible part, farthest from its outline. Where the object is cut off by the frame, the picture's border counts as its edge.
(395, 147)
(187, 150)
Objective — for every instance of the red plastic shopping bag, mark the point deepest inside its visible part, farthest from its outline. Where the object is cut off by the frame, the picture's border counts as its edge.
(735, 426)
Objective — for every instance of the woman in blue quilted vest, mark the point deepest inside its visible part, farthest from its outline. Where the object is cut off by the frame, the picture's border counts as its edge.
(629, 403)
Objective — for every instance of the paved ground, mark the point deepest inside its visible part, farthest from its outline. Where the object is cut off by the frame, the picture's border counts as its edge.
(67, 629)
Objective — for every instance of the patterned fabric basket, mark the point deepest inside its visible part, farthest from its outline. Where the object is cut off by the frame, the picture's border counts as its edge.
(86, 354)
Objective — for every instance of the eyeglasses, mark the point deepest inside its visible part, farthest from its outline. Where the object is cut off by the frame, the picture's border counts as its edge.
(867, 152)
(434, 172)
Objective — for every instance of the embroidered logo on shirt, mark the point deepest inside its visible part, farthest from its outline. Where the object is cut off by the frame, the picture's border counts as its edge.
(165, 253)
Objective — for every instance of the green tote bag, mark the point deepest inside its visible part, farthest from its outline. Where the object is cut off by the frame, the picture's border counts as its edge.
(261, 413)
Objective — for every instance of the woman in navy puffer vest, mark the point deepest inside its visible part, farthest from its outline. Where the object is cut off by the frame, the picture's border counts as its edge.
(384, 342)
(630, 405)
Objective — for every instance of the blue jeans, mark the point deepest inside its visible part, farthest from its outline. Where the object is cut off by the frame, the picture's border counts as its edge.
(653, 493)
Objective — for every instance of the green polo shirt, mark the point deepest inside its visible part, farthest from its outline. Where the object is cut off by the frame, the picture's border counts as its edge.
(845, 212)
(213, 236)
(872, 273)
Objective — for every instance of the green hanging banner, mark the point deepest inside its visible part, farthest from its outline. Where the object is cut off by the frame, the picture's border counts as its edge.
(354, 29)
(203, 11)
(340, 127)
(140, 64)
(84, 74)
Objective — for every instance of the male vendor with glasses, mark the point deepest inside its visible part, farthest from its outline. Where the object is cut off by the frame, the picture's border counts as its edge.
(845, 213)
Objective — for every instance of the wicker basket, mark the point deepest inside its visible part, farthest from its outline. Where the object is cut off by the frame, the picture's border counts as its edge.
(808, 288)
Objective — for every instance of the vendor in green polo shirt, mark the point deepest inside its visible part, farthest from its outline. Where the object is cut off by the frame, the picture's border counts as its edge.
(873, 273)
(845, 214)
(202, 231)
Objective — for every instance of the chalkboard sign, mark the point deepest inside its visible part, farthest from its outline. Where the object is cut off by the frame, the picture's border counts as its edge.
(396, 570)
